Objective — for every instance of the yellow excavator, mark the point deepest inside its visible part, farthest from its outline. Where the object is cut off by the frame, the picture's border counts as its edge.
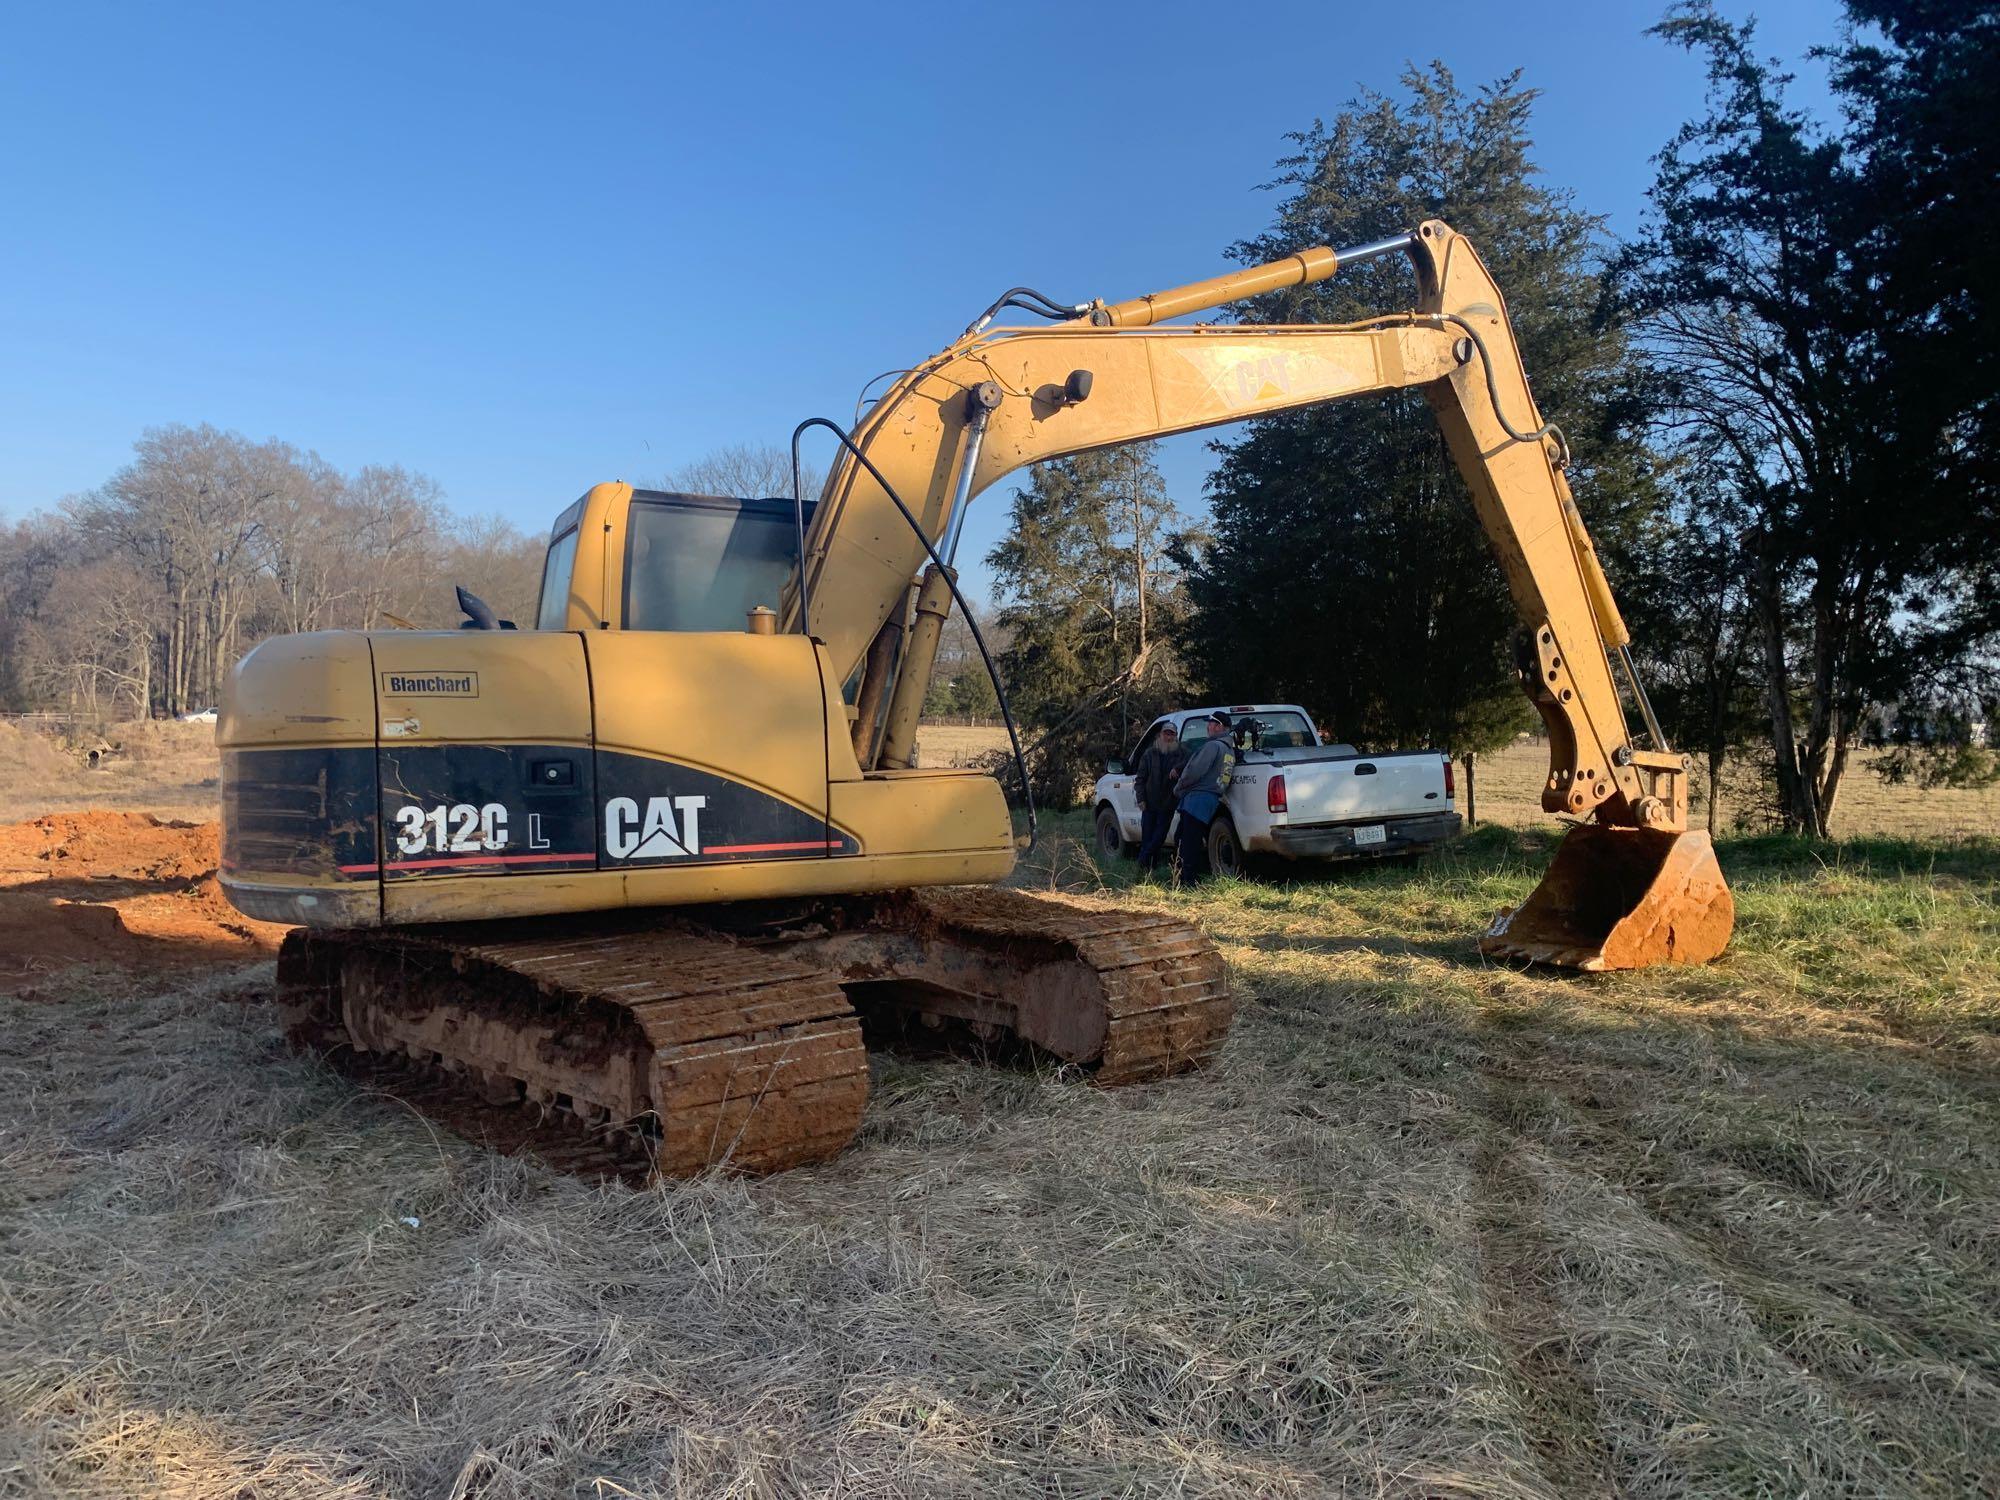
(642, 869)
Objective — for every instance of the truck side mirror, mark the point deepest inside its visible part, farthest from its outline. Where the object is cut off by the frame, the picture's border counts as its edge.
(1114, 768)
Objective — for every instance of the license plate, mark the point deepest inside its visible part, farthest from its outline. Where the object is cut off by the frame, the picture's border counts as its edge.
(1374, 834)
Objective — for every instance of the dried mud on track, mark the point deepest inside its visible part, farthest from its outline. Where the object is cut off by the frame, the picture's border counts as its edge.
(119, 891)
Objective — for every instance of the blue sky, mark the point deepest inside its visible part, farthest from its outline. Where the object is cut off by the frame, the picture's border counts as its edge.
(526, 248)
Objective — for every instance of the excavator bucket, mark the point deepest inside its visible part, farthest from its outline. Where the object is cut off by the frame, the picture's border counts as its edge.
(1621, 898)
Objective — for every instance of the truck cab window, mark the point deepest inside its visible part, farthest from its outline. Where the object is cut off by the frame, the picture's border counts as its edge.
(1286, 731)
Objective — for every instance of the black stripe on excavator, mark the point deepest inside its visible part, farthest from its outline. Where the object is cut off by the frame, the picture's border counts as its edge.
(496, 810)
(298, 812)
(656, 812)
(485, 810)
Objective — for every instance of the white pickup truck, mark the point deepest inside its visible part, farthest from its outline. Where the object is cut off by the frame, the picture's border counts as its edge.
(1291, 795)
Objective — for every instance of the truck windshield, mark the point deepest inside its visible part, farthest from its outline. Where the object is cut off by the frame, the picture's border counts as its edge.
(703, 562)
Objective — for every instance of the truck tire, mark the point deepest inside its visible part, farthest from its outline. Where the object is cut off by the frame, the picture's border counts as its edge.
(1111, 842)
(1225, 850)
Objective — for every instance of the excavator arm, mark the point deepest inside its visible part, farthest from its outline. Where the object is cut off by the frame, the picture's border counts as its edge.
(996, 401)
(1144, 381)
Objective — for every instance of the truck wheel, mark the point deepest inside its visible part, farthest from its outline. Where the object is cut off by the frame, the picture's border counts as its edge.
(1225, 851)
(1110, 837)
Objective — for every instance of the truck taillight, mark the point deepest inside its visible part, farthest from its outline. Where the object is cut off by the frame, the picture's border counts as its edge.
(1274, 794)
(1450, 781)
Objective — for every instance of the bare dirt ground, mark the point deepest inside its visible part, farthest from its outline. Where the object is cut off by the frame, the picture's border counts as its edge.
(121, 891)
(1429, 1227)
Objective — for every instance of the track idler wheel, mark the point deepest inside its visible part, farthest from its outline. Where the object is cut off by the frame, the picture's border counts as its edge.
(1621, 898)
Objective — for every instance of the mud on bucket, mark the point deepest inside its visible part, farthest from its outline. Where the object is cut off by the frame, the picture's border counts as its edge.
(1621, 898)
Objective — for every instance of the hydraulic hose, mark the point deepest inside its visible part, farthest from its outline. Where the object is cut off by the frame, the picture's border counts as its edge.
(951, 582)
(1547, 429)
(1027, 299)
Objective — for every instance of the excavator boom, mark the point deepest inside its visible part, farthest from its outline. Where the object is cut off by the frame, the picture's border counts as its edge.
(995, 401)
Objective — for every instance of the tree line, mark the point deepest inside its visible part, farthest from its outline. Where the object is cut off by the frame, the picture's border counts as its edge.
(136, 598)
(1782, 405)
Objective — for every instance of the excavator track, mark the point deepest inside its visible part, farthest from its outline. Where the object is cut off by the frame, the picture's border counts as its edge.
(633, 1046)
(1130, 996)
(683, 1047)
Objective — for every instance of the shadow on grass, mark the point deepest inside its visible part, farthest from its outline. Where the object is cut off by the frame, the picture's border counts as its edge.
(1461, 952)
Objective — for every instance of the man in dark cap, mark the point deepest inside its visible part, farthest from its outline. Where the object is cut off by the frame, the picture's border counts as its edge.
(1203, 780)
(1153, 783)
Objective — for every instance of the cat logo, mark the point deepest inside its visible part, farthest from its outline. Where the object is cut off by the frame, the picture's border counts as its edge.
(656, 835)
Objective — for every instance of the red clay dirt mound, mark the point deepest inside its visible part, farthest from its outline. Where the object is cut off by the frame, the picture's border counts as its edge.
(108, 846)
(124, 890)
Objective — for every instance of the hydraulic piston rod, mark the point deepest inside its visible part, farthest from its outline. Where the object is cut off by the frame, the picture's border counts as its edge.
(1303, 269)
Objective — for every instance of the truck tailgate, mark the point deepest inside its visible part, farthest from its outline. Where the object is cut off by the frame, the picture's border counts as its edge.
(1373, 786)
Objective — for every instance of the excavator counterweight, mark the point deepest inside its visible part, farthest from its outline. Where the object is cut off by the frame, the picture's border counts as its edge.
(651, 865)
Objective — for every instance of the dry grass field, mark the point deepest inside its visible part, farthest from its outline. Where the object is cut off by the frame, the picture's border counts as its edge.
(1429, 1227)
(958, 744)
(167, 769)
(1509, 791)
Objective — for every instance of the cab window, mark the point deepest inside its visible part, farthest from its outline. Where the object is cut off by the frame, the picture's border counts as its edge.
(553, 612)
(1286, 731)
(703, 562)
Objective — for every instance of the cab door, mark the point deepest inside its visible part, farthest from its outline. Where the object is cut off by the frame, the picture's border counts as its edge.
(711, 747)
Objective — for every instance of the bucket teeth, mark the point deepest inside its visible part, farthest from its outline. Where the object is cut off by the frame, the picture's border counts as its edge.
(1621, 898)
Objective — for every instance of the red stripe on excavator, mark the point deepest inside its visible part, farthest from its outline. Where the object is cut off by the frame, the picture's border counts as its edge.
(770, 848)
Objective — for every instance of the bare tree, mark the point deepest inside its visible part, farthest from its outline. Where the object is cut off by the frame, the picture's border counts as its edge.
(138, 597)
(745, 472)
(189, 513)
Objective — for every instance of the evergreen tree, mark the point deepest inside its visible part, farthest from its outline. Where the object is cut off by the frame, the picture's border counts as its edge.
(1089, 598)
(1918, 79)
(1348, 571)
(1689, 607)
(960, 687)
(1801, 290)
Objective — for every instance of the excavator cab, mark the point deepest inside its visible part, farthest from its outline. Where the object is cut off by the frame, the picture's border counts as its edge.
(689, 562)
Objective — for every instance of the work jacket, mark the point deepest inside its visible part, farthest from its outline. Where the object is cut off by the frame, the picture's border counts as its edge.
(1153, 778)
(1207, 769)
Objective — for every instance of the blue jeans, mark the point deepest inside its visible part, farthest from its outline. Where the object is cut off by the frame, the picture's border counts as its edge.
(1192, 841)
(1153, 823)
